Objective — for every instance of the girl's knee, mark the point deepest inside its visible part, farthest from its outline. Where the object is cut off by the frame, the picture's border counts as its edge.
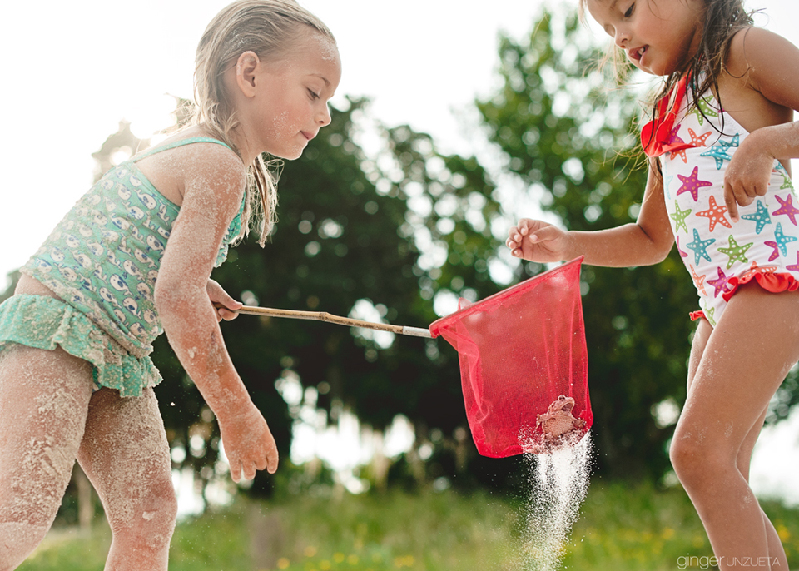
(148, 521)
(696, 459)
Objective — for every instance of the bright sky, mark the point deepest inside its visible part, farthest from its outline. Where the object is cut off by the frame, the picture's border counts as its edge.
(73, 70)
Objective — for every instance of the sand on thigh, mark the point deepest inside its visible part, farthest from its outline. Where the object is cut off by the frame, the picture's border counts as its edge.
(126, 456)
(44, 397)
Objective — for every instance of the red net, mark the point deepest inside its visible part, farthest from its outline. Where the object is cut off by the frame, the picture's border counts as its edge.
(524, 364)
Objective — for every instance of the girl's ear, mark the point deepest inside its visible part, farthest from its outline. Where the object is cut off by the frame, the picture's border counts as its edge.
(246, 69)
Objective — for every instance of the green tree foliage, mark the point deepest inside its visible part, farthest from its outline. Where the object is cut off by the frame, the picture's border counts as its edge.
(567, 134)
(350, 231)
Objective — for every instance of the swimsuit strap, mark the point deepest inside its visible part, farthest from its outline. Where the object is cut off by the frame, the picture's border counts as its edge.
(180, 143)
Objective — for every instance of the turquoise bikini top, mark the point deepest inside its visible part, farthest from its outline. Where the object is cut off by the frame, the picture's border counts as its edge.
(103, 257)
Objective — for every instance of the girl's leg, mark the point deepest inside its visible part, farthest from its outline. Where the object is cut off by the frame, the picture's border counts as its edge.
(44, 396)
(126, 456)
(744, 458)
(743, 363)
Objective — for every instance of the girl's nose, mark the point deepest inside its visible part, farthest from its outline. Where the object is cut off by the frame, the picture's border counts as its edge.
(621, 38)
(323, 118)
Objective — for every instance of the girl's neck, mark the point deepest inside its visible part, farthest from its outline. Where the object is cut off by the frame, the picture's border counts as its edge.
(235, 137)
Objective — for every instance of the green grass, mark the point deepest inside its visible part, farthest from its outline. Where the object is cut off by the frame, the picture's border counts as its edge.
(620, 528)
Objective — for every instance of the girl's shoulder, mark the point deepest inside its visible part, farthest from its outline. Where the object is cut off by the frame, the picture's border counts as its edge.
(760, 83)
(185, 163)
(757, 55)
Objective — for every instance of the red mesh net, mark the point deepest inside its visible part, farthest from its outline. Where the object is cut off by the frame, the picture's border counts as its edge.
(524, 364)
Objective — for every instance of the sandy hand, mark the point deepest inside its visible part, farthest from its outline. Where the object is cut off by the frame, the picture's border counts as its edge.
(248, 443)
(226, 307)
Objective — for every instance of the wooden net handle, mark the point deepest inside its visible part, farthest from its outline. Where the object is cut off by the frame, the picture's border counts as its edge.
(330, 318)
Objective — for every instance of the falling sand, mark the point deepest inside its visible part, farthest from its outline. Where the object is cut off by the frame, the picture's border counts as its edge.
(558, 482)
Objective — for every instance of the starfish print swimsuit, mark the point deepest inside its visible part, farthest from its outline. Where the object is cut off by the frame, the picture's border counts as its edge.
(695, 147)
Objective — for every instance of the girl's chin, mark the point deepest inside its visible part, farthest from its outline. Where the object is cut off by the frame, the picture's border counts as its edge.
(288, 155)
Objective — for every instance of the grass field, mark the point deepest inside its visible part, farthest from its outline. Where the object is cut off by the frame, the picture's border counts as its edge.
(620, 528)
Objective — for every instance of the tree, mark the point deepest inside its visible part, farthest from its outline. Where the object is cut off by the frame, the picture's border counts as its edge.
(347, 239)
(567, 135)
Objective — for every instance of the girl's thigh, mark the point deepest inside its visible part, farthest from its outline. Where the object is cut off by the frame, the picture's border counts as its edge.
(699, 343)
(746, 358)
(126, 456)
(44, 397)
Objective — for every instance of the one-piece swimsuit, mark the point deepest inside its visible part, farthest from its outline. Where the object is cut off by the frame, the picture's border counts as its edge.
(721, 255)
(102, 260)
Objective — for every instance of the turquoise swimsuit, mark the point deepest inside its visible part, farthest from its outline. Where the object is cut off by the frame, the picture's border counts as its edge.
(102, 260)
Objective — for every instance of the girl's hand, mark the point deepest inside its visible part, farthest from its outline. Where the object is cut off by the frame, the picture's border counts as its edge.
(226, 306)
(748, 173)
(248, 443)
(537, 241)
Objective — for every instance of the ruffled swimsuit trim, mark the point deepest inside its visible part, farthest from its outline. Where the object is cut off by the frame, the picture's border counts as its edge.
(767, 279)
(45, 323)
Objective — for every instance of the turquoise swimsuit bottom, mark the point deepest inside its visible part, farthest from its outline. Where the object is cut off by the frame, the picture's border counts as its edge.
(102, 260)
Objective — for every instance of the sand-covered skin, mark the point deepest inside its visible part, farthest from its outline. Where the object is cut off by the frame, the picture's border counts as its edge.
(48, 417)
(214, 185)
(125, 454)
(44, 396)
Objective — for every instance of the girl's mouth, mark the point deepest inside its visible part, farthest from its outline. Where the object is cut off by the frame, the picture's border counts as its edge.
(636, 54)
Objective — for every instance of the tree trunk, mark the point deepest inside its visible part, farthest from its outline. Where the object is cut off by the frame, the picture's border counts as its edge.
(85, 500)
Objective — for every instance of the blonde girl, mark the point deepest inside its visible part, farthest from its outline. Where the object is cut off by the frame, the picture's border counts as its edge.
(75, 373)
(719, 187)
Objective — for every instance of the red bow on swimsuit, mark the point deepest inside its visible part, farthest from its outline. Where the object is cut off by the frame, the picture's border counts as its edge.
(660, 135)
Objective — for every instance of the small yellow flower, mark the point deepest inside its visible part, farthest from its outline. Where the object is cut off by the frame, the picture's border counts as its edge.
(405, 561)
(324, 565)
(283, 563)
(310, 551)
(783, 532)
(352, 559)
(339, 558)
(668, 533)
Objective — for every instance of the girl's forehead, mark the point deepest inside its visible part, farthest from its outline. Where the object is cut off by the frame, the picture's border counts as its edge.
(598, 8)
(316, 44)
(606, 4)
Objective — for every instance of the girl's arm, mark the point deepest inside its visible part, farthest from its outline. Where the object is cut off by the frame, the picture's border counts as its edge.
(644, 243)
(214, 182)
(768, 65)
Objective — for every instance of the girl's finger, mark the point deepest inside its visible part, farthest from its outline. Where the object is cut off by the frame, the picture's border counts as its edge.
(227, 315)
(272, 459)
(235, 470)
(729, 200)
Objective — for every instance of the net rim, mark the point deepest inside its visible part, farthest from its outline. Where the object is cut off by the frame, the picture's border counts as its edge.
(442, 323)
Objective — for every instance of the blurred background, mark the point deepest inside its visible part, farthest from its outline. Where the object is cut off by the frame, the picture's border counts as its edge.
(452, 121)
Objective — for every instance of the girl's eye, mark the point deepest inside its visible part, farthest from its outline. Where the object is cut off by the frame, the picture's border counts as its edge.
(629, 11)
(313, 95)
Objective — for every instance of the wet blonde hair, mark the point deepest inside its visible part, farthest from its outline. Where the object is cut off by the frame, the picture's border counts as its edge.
(269, 28)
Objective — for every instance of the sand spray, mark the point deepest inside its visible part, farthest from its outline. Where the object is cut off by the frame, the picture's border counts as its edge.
(557, 484)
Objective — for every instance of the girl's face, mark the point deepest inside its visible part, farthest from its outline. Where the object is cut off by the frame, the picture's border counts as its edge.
(291, 98)
(659, 36)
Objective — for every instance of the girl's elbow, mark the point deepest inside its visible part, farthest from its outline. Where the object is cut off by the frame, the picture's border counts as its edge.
(167, 294)
(662, 250)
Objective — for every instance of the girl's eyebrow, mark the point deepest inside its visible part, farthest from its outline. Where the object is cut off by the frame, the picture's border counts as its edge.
(322, 77)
